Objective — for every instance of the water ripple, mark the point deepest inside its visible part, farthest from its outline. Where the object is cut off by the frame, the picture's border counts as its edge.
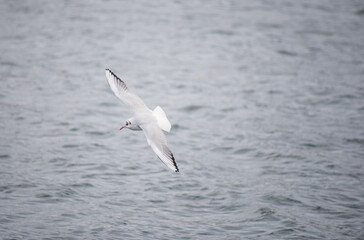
(266, 112)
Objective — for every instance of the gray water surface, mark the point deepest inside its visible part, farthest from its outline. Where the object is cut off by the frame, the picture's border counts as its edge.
(266, 101)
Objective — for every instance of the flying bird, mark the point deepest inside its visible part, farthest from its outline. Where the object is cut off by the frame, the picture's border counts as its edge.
(150, 122)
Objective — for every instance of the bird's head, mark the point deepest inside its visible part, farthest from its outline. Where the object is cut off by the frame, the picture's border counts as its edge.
(130, 123)
(127, 124)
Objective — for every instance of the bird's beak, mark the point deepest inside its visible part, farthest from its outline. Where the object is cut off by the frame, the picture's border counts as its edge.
(122, 127)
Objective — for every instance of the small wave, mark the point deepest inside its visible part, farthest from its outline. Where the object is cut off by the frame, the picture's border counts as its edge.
(178, 126)
(360, 12)
(229, 109)
(43, 195)
(282, 201)
(223, 32)
(64, 123)
(70, 146)
(68, 192)
(266, 213)
(243, 151)
(192, 108)
(287, 53)
(97, 133)
(355, 140)
(8, 63)
(82, 185)
(312, 145)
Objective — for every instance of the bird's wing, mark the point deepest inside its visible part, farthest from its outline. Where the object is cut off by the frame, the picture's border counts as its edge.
(158, 142)
(122, 92)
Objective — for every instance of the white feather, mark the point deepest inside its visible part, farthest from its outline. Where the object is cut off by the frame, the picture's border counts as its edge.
(162, 119)
(152, 122)
(122, 92)
(158, 142)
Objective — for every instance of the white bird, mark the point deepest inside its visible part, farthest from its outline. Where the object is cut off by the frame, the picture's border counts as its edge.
(151, 122)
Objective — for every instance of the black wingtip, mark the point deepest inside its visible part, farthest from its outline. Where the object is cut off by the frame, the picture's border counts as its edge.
(113, 74)
(174, 163)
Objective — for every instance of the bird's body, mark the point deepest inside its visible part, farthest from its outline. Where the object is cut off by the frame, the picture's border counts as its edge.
(151, 122)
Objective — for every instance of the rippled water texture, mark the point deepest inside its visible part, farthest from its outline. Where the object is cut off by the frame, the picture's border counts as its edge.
(266, 99)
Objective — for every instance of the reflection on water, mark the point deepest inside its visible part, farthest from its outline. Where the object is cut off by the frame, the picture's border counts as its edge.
(266, 102)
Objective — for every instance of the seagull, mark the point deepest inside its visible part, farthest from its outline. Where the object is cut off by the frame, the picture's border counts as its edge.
(151, 122)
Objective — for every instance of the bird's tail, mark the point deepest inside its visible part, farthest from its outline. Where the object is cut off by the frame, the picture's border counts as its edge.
(162, 119)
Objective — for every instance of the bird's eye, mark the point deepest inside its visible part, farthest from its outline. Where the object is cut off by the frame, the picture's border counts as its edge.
(127, 124)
